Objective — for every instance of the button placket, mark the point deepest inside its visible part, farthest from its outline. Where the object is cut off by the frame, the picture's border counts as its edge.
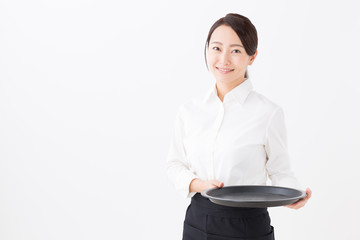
(215, 131)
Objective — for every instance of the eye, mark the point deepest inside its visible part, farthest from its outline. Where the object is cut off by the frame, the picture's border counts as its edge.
(236, 51)
(216, 48)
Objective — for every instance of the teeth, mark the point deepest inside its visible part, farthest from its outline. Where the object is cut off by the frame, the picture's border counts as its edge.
(225, 70)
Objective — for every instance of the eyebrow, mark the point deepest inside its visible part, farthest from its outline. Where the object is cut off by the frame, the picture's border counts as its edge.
(231, 45)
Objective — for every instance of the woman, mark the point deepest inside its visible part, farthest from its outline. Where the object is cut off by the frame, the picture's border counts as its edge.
(232, 136)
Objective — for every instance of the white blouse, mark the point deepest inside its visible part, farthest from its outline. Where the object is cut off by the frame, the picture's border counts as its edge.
(239, 141)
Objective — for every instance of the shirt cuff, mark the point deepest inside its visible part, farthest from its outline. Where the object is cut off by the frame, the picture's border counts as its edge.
(183, 184)
(287, 181)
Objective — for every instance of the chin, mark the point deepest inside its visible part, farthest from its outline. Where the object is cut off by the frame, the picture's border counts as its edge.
(224, 80)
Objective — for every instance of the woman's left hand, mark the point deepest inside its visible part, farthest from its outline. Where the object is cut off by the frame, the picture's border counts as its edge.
(302, 202)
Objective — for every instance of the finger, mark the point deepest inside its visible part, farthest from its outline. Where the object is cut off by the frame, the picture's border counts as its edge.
(294, 206)
(308, 196)
(217, 183)
(308, 193)
(298, 204)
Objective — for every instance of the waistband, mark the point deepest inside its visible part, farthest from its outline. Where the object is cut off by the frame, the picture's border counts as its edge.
(205, 203)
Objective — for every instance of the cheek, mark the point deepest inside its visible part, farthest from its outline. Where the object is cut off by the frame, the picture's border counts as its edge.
(211, 63)
(241, 62)
(211, 59)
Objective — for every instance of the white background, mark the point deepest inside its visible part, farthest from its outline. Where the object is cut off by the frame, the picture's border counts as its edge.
(88, 95)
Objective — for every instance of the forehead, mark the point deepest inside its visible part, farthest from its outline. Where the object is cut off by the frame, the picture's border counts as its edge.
(225, 34)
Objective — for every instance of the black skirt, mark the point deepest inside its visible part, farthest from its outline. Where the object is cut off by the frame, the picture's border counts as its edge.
(205, 220)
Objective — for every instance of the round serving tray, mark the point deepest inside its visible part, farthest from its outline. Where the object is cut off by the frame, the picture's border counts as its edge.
(257, 196)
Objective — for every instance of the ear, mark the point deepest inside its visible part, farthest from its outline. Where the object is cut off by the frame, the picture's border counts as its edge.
(252, 58)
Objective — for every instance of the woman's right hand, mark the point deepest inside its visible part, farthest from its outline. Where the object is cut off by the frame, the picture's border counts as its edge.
(198, 185)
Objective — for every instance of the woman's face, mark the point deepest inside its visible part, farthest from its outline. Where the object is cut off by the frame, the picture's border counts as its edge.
(227, 57)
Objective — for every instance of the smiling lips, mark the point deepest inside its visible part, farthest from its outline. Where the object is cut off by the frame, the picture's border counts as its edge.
(224, 70)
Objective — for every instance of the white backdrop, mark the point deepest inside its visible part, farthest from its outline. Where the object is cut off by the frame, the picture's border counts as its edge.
(88, 95)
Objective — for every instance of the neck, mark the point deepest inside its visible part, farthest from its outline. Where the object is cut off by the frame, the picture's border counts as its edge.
(223, 88)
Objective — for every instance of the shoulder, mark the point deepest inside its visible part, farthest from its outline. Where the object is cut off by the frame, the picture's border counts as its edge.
(262, 103)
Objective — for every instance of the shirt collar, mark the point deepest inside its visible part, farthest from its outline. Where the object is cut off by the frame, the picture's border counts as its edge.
(239, 93)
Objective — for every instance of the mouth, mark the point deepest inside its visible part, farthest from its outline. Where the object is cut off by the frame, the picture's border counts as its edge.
(224, 70)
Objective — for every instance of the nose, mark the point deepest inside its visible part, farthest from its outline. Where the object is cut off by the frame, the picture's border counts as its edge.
(225, 58)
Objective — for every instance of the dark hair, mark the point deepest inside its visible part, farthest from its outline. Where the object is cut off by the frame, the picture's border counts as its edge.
(243, 27)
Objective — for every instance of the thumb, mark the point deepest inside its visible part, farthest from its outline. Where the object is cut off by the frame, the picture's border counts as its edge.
(217, 183)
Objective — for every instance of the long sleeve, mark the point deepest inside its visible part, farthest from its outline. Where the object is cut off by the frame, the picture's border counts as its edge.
(278, 161)
(176, 165)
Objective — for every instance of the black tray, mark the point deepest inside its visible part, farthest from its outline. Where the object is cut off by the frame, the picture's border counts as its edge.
(253, 196)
